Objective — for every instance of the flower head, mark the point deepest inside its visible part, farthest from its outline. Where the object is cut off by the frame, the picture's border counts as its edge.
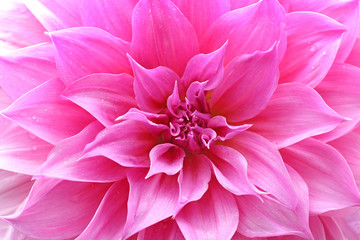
(174, 119)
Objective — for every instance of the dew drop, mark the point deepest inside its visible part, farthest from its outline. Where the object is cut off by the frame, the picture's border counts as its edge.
(34, 148)
(312, 67)
(312, 48)
(324, 52)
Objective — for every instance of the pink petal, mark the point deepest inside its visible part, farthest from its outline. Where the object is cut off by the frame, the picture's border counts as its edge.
(165, 158)
(202, 13)
(27, 68)
(63, 161)
(268, 218)
(214, 216)
(105, 96)
(44, 114)
(21, 151)
(14, 189)
(325, 171)
(127, 143)
(354, 56)
(332, 229)
(82, 51)
(248, 83)
(55, 14)
(205, 67)
(294, 112)
(19, 28)
(347, 145)
(113, 16)
(150, 200)
(109, 219)
(340, 89)
(249, 29)
(230, 168)
(310, 51)
(164, 230)
(152, 87)
(223, 130)
(266, 169)
(193, 179)
(235, 4)
(64, 207)
(5, 101)
(170, 39)
(317, 228)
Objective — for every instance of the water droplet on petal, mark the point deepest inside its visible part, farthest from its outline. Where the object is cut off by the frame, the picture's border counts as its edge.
(34, 148)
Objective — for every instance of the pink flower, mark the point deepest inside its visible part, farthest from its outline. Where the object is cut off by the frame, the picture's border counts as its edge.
(174, 119)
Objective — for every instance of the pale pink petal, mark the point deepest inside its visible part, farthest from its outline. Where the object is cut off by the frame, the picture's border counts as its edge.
(205, 67)
(44, 114)
(5, 100)
(354, 56)
(223, 130)
(19, 27)
(55, 14)
(86, 50)
(249, 29)
(14, 189)
(249, 82)
(202, 13)
(164, 230)
(170, 39)
(150, 200)
(230, 168)
(294, 112)
(268, 218)
(326, 173)
(165, 158)
(193, 179)
(127, 143)
(340, 90)
(266, 169)
(21, 151)
(114, 16)
(109, 219)
(312, 44)
(214, 216)
(348, 146)
(27, 68)
(105, 96)
(152, 87)
(64, 207)
(63, 161)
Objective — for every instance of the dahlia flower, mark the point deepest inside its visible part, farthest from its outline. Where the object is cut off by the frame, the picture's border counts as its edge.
(179, 119)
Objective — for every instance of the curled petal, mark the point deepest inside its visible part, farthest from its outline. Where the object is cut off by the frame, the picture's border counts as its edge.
(223, 130)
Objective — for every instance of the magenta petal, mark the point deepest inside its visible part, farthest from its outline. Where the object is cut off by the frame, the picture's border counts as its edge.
(44, 114)
(150, 200)
(55, 14)
(109, 219)
(266, 169)
(105, 96)
(170, 39)
(325, 171)
(223, 130)
(82, 51)
(13, 191)
(21, 151)
(230, 168)
(294, 112)
(268, 218)
(202, 13)
(152, 87)
(26, 68)
(193, 179)
(205, 67)
(164, 230)
(354, 56)
(5, 100)
(214, 216)
(127, 143)
(64, 207)
(340, 90)
(235, 4)
(347, 145)
(312, 44)
(63, 161)
(114, 16)
(165, 158)
(249, 82)
(249, 29)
